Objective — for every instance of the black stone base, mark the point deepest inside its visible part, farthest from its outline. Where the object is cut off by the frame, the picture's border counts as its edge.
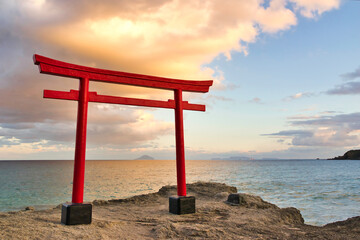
(235, 199)
(76, 213)
(182, 204)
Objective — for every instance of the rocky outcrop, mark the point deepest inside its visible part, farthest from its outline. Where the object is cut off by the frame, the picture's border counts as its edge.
(349, 155)
(147, 217)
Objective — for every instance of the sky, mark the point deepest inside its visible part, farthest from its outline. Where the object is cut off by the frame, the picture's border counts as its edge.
(286, 77)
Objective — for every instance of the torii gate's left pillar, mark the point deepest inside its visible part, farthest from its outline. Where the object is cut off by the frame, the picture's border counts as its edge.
(78, 212)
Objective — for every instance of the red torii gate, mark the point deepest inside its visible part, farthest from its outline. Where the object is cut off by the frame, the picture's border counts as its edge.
(72, 213)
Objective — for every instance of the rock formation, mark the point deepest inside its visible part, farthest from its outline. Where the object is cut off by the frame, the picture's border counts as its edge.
(349, 155)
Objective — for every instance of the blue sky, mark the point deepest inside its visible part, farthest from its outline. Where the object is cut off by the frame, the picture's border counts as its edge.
(310, 59)
(286, 77)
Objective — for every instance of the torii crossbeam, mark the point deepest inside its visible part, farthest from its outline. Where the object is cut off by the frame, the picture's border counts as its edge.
(83, 97)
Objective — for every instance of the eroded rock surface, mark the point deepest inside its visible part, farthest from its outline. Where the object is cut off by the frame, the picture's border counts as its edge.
(147, 217)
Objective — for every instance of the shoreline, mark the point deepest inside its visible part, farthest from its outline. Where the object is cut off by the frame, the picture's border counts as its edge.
(147, 217)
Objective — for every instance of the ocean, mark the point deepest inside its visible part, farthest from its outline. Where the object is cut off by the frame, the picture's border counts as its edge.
(324, 191)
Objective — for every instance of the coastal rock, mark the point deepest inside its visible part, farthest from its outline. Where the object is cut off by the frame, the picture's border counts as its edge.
(290, 216)
(200, 189)
(207, 190)
(351, 224)
(249, 201)
(100, 202)
(147, 217)
(349, 155)
(280, 215)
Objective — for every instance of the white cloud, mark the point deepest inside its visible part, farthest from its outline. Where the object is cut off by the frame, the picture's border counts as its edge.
(310, 8)
(276, 17)
(298, 96)
(340, 130)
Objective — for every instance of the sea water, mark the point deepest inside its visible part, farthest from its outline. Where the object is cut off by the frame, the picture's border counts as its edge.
(324, 191)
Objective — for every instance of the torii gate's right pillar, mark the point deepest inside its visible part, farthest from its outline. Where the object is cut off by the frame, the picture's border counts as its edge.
(181, 204)
(180, 146)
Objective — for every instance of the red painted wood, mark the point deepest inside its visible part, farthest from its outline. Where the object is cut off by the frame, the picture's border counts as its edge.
(180, 147)
(72, 95)
(41, 59)
(58, 68)
(83, 96)
(94, 97)
(80, 146)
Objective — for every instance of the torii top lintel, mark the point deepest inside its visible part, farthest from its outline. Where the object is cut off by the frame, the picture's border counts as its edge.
(59, 68)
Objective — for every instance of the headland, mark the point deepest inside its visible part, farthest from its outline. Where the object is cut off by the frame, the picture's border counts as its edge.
(349, 155)
(147, 217)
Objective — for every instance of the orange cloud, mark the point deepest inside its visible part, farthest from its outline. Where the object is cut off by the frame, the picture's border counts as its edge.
(168, 38)
(172, 38)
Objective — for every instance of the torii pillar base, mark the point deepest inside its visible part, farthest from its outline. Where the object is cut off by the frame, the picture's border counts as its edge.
(76, 213)
(182, 204)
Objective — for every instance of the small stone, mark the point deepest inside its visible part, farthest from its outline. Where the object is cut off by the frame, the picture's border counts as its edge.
(76, 213)
(182, 204)
(235, 199)
(29, 208)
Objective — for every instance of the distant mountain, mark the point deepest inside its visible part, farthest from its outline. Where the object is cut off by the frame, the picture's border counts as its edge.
(244, 158)
(349, 155)
(145, 157)
(233, 158)
(270, 159)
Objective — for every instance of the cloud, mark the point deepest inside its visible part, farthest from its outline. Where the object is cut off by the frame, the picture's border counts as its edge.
(200, 30)
(317, 116)
(329, 112)
(276, 17)
(349, 121)
(302, 117)
(256, 100)
(340, 130)
(310, 8)
(167, 38)
(349, 87)
(351, 75)
(123, 127)
(142, 127)
(298, 96)
(287, 133)
(345, 89)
